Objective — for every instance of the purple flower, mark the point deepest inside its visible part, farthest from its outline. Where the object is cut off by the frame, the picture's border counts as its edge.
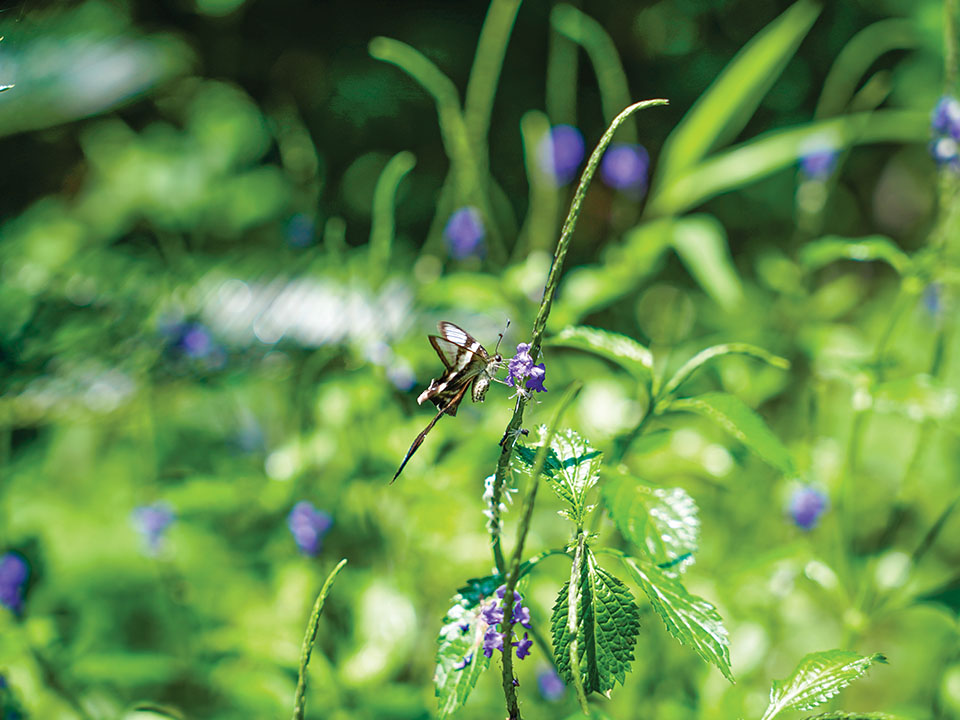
(308, 526)
(945, 119)
(551, 685)
(819, 163)
(464, 233)
(521, 614)
(152, 521)
(560, 153)
(945, 152)
(492, 640)
(807, 504)
(933, 299)
(466, 661)
(624, 167)
(520, 367)
(14, 571)
(523, 647)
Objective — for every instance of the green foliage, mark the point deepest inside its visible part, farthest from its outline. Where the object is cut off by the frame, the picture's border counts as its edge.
(662, 521)
(827, 250)
(460, 659)
(620, 349)
(690, 619)
(607, 623)
(701, 243)
(733, 415)
(818, 677)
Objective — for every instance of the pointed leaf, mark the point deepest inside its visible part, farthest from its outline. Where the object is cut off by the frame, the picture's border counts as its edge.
(818, 677)
(608, 623)
(690, 619)
(829, 249)
(620, 349)
(701, 243)
(728, 104)
(572, 468)
(662, 521)
(733, 415)
(705, 356)
(460, 658)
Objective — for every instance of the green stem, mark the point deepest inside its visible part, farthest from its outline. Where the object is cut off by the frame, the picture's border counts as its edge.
(384, 199)
(513, 576)
(572, 625)
(300, 699)
(950, 45)
(553, 280)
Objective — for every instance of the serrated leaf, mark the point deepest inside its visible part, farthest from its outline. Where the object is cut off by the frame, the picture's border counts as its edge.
(608, 622)
(620, 349)
(817, 253)
(690, 619)
(571, 468)
(662, 521)
(701, 244)
(818, 677)
(706, 355)
(460, 659)
(733, 415)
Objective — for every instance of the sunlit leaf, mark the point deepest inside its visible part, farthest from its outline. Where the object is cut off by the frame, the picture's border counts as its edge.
(620, 349)
(690, 619)
(460, 658)
(663, 521)
(840, 715)
(817, 253)
(920, 397)
(701, 243)
(733, 415)
(725, 107)
(715, 351)
(818, 677)
(607, 627)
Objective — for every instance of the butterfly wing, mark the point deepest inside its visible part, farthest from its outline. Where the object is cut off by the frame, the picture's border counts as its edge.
(464, 358)
(453, 401)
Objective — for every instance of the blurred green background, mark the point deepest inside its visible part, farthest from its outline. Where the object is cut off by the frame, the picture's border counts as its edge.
(208, 309)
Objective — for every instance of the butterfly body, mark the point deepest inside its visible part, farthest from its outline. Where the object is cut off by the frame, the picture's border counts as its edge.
(468, 366)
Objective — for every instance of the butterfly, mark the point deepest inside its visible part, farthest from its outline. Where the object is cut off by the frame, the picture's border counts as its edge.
(468, 365)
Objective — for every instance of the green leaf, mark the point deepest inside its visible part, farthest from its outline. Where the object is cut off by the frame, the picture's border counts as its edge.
(920, 397)
(690, 619)
(728, 104)
(608, 622)
(571, 468)
(715, 351)
(662, 521)
(701, 243)
(456, 675)
(818, 677)
(620, 349)
(817, 253)
(839, 715)
(733, 415)
(778, 149)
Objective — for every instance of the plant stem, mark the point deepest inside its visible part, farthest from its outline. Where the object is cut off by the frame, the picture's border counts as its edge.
(300, 699)
(572, 629)
(540, 323)
(513, 576)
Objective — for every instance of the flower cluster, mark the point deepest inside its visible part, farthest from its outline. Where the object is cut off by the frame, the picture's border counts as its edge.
(521, 368)
(464, 233)
(807, 504)
(152, 521)
(560, 153)
(14, 572)
(308, 526)
(488, 502)
(625, 167)
(945, 127)
(492, 614)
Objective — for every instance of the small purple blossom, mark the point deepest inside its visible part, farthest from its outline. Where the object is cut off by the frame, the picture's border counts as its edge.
(464, 233)
(14, 572)
(552, 687)
(520, 367)
(819, 163)
(807, 504)
(308, 526)
(946, 152)
(625, 167)
(466, 661)
(560, 153)
(933, 299)
(492, 640)
(523, 647)
(945, 119)
(152, 521)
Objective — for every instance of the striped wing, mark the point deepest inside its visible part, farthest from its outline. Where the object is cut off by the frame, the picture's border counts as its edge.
(464, 358)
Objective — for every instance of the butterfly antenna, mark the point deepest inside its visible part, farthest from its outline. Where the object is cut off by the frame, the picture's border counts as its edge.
(497, 348)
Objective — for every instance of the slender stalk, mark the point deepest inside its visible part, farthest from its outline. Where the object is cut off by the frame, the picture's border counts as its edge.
(540, 323)
(513, 576)
(950, 45)
(572, 600)
(300, 699)
(384, 200)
